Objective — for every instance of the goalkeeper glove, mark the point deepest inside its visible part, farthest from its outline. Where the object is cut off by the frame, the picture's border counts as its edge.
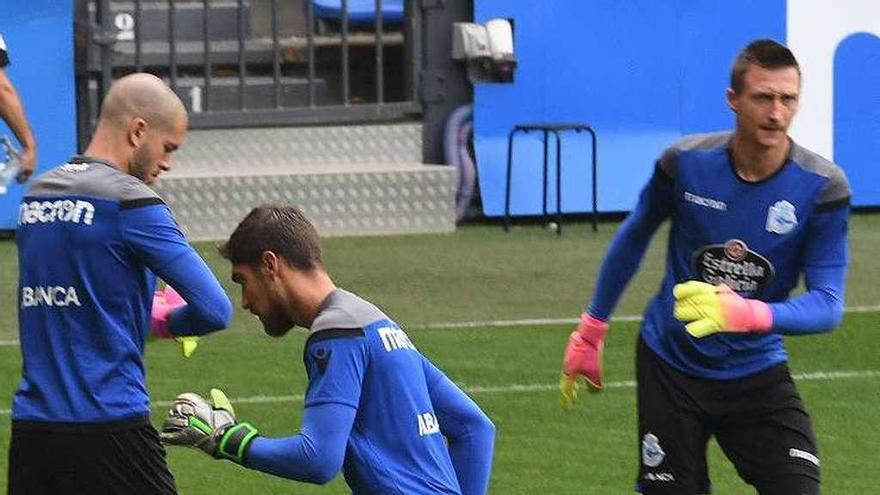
(706, 309)
(165, 301)
(212, 427)
(583, 356)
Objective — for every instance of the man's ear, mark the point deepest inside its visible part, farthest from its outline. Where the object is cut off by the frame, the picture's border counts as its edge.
(731, 99)
(137, 130)
(270, 262)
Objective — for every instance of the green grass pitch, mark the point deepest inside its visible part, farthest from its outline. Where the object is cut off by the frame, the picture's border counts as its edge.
(481, 274)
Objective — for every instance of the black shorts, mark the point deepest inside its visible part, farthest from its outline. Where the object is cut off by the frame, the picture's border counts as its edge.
(96, 459)
(759, 421)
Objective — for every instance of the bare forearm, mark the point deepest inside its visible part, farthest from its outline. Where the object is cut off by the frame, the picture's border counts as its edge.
(12, 112)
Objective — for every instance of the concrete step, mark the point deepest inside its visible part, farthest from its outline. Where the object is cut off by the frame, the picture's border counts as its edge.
(352, 180)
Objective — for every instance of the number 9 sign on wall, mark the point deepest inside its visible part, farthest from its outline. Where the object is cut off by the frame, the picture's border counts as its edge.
(39, 40)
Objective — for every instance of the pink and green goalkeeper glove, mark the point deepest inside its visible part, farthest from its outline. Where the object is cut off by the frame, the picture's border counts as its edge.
(583, 357)
(165, 301)
(707, 309)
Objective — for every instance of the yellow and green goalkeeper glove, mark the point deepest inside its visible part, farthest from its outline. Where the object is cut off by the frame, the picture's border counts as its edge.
(707, 309)
(211, 427)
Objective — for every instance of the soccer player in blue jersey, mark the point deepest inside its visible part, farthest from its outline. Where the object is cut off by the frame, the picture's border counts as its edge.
(375, 407)
(751, 211)
(92, 238)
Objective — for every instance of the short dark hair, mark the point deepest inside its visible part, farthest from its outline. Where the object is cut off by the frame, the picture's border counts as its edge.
(766, 53)
(282, 229)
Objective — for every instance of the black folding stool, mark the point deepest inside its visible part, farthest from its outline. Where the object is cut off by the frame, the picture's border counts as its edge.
(546, 128)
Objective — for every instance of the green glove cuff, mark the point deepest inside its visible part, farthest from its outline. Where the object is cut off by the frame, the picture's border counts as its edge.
(235, 441)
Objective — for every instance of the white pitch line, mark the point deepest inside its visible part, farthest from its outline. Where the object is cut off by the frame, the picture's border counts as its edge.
(567, 321)
(526, 322)
(526, 388)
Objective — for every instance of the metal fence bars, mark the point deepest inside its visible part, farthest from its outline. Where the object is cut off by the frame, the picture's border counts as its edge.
(246, 63)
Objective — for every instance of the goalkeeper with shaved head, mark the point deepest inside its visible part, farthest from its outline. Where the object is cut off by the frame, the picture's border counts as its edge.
(93, 238)
(751, 211)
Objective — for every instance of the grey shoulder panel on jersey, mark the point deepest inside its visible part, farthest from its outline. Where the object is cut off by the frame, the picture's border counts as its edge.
(342, 309)
(93, 178)
(668, 161)
(837, 190)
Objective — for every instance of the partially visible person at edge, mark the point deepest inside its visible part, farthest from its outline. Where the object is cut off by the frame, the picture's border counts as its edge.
(751, 211)
(92, 238)
(13, 114)
(375, 407)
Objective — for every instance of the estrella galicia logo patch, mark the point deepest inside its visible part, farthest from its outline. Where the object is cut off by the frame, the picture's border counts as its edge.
(322, 358)
(781, 218)
(734, 265)
(652, 452)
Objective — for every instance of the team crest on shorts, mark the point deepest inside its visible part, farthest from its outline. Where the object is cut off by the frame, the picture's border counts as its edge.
(652, 452)
(781, 218)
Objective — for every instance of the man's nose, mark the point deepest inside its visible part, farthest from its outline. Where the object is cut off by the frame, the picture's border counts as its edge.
(777, 109)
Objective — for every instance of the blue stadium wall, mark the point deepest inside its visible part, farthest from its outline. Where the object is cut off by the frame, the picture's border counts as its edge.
(644, 73)
(39, 37)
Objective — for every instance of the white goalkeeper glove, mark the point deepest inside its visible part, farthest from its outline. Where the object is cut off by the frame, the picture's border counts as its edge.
(212, 427)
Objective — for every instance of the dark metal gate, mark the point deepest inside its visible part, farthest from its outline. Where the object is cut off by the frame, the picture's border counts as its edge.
(238, 63)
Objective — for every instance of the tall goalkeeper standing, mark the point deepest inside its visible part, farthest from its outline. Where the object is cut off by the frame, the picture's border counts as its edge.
(375, 407)
(92, 237)
(750, 210)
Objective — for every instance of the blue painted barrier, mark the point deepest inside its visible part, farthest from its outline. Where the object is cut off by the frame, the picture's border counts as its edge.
(645, 73)
(39, 36)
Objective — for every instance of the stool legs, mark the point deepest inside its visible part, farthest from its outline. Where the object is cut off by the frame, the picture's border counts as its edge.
(545, 130)
(558, 183)
(507, 180)
(544, 180)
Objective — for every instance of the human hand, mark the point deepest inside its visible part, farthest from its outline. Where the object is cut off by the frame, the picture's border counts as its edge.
(27, 160)
(164, 301)
(211, 427)
(583, 357)
(707, 309)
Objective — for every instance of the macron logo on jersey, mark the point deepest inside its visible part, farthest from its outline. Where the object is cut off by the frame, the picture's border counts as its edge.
(394, 339)
(76, 167)
(707, 202)
(428, 424)
(62, 210)
(53, 295)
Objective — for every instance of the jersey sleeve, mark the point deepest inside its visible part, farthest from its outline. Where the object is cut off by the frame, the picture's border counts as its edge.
(149, 230)
(470, 434)
(336, 362)
(315, 454)
(626, 251)
(820, 309)
(4, 53)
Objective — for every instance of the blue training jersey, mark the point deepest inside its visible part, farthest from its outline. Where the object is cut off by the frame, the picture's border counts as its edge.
(379, 411)
(357, 357)
(91, 241)
(756, 237)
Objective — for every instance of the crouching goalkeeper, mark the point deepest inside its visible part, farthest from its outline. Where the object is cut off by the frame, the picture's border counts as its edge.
(750, 212)
(375, 407)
